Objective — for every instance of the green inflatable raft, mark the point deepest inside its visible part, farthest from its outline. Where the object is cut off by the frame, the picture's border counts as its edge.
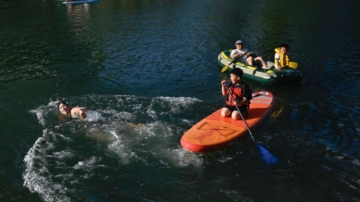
(266, 77)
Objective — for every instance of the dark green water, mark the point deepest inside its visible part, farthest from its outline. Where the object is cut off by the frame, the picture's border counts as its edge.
(148, 72)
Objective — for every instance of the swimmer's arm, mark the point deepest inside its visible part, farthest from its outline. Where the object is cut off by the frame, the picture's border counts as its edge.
(82, 113)
(79, 111)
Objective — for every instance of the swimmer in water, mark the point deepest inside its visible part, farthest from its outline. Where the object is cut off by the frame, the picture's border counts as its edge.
(74, 112)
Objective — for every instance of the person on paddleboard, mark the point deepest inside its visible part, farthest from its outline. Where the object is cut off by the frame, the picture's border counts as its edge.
(241, 95)
(245, 56)
(74, 112)
(281, 57)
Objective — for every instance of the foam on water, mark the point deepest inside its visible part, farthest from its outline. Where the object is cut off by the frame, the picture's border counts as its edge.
(93, 116)
(117, 131)
(36, 176)
(154, 129)
(114, 134)
(43, 110)
(39, 114)
(176, 104)
(185, 158)
(87, 164)
(123, 152)
(63, 154)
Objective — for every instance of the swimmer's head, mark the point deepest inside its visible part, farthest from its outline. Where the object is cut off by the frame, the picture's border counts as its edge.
(64, 107)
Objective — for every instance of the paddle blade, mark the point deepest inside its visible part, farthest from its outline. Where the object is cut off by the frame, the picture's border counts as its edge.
(225, 68)
(266, 155)
(293, 65)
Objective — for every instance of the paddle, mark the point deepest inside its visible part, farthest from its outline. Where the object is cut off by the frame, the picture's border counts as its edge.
(234, 60)
(293, 65)
(265, 154)
(227, 66)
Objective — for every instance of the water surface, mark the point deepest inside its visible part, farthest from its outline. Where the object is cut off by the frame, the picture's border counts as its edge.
(148, 72)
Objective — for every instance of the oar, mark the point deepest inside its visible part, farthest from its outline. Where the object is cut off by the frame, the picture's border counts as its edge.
(234, 60)
(265, 154)
(293, 65)
(227, 66)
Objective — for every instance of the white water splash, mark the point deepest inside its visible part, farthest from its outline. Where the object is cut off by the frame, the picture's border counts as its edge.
(37, 178)
(39, 114)
(114, 134)
(154, 129)
(43, 110)
(185, 158)
(124, 152)
(87, 164)
(178, 102)
(93, 116)
(109, 127)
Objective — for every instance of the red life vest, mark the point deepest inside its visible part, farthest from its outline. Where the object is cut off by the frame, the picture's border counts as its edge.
(237, 94)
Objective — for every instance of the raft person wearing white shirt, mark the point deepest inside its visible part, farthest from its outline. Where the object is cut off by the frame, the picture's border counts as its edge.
(245, 56)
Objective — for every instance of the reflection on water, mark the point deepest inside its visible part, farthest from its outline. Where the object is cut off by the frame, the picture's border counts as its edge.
(77, 16)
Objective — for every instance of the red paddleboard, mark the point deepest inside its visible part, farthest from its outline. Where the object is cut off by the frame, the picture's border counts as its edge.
(216, 132)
